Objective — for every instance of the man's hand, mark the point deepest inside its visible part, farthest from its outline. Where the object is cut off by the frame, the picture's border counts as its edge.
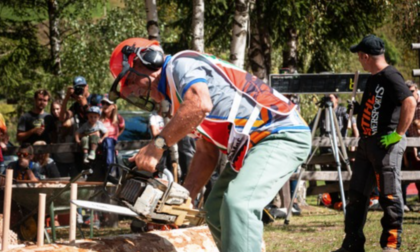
(70, 92)
(147, 158)
(389, 139)
(353, 105)
(38, 130)
(81, 99)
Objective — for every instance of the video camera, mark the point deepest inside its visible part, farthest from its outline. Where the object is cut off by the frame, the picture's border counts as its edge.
(79, 90)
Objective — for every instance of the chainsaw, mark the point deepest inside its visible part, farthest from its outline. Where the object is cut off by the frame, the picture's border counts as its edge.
(147, 197)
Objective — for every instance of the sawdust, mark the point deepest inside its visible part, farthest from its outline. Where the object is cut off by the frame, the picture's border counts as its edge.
(13, 240)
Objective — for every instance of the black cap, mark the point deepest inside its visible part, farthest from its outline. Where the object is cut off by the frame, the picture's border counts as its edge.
(371, 45)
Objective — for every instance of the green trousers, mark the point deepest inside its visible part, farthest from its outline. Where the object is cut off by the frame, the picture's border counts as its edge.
(88, 140)
(236, 202)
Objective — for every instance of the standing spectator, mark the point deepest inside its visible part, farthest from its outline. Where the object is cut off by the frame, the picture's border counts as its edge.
(413, 160)
(23, 168)
(115, 125)
(91, 133)
(44, 165)
(384, 115)
(3, 142)
(79, 92)
(36, 125)
(64, 134)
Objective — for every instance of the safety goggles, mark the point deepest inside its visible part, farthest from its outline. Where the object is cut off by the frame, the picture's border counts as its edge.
(22, 154)
(130, 91)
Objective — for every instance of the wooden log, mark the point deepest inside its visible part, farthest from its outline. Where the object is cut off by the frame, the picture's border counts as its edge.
(7, 209)
(195, 239)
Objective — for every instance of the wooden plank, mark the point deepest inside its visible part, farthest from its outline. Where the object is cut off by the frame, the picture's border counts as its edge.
(333, 176)
(73, 147)
(321, 175)
(132, 145)
(353, 141)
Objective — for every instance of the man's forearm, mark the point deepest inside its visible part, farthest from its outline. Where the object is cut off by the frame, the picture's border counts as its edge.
(197, 103)
(201, 168)
(187, 118)
(63, 112)
(22, 136)
(406, 115)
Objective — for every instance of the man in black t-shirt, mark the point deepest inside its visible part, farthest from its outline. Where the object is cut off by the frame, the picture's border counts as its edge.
(36, 125)
(384, 115)
(79, 92)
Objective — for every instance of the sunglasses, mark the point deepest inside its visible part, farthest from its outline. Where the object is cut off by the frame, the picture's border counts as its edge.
(105, 104)
(22, 154)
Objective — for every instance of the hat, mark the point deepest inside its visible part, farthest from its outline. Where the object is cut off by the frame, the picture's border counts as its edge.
(370, 44)
(94, 109)
(79, 81)
(106, 99)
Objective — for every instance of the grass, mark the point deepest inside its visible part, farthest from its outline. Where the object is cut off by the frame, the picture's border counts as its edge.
(319, 229)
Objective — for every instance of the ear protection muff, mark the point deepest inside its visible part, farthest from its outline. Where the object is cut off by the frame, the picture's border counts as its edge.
(151, 57)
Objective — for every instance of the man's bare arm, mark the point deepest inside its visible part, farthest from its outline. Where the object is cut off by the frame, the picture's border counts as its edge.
(202, 166)
(64, 113)
(191, 113)
(23, 135)
(408, 106)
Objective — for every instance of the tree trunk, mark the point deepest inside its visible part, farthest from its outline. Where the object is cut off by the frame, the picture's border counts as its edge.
(152, 20)
(53, 14)
(255, 54)
(239, 32)
(259, 53)
(290, 50)
(198, 25)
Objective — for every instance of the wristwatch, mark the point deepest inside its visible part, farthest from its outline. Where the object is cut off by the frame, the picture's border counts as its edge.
(160, 143)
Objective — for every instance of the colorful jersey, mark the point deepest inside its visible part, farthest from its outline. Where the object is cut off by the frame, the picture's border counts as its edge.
(239, 99)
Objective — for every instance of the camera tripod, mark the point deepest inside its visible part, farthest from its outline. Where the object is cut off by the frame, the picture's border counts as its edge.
(331, 129)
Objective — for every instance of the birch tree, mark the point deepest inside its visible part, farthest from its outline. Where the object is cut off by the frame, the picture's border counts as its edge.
(54, 20)
(152, 20)
(198, 25)
(239, 33)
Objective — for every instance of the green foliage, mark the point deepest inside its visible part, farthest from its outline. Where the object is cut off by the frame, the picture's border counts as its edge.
(87, 52)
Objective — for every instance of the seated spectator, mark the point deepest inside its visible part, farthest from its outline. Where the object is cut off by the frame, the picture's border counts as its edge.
(36, 125)
(91, 133)
(23, 168)
(115, 125)
(45, 166)
(64, 134)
